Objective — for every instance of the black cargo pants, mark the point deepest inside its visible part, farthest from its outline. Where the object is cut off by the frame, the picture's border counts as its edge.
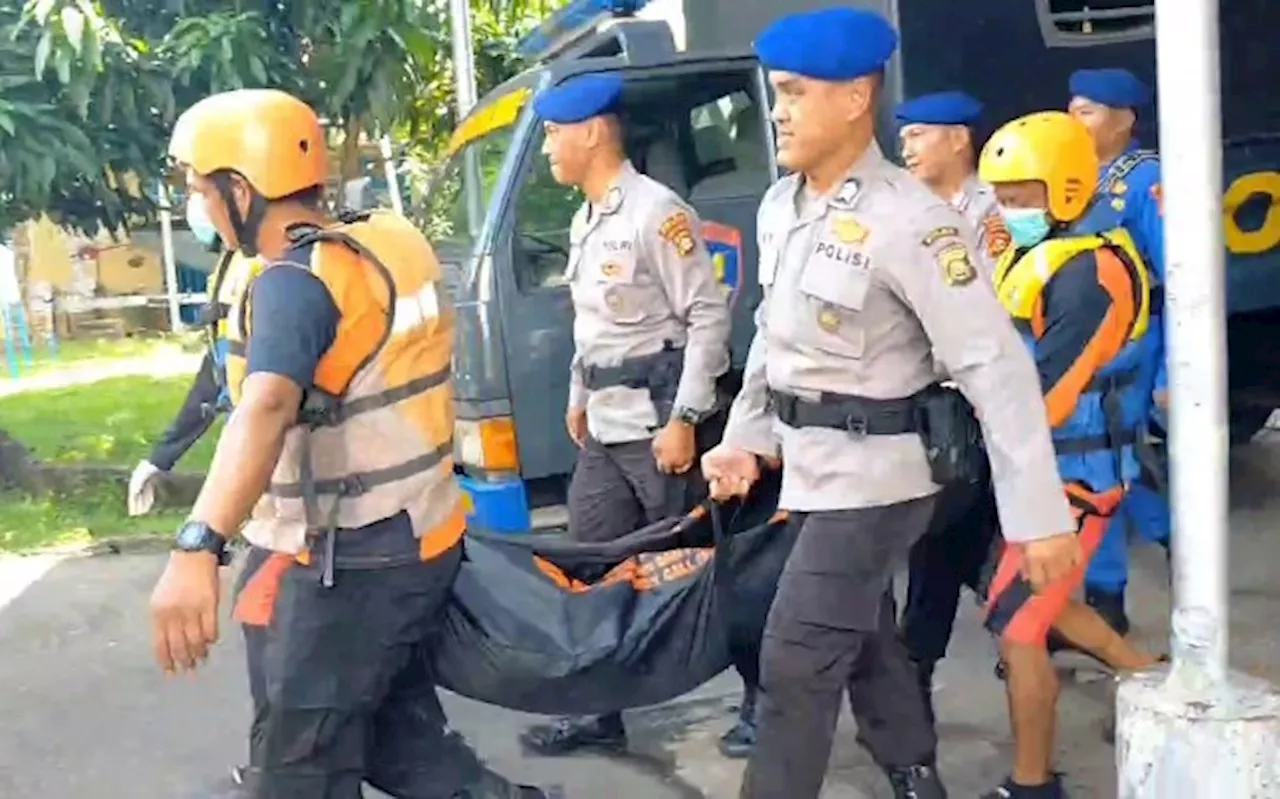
(616, 488)
(340, 683)
(831, 628)
(953, 554)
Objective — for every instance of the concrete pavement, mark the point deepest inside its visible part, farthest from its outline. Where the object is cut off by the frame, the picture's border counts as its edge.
(85, 715)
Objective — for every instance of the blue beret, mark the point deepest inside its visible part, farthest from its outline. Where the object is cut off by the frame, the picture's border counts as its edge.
(940, 108)
(832, 44)
(1118, 88)
(579, 98)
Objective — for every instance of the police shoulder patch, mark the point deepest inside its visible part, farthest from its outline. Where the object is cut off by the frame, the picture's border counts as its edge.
(1158, 195)
(938, 234)
(997, 235)
(957, 265)
(677, 230)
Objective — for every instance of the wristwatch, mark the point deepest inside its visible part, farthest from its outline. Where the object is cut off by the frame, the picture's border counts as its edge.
(199, 537)
(688, 415)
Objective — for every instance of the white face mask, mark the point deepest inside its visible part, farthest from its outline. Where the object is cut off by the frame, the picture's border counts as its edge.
(1027, 226)
(199, 222)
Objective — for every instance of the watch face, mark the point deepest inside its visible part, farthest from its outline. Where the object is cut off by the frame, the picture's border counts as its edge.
(193, 536)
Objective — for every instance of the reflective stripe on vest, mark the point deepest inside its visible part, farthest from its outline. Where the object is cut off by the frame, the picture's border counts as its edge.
(1095, 444)
(375, 435)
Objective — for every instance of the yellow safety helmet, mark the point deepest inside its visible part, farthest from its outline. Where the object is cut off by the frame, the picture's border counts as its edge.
(1048, 146)
(271, 138)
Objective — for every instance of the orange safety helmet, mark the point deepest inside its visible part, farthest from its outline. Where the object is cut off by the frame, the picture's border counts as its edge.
(1051, 147)
(271, 138)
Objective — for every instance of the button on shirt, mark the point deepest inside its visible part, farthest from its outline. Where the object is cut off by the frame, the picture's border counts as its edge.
(861, 286)
(642, 280)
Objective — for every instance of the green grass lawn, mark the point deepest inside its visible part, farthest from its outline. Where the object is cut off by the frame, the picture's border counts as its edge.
(110, 422)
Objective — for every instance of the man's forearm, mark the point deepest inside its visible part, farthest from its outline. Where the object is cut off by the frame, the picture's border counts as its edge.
(192, 421)
(242, 466)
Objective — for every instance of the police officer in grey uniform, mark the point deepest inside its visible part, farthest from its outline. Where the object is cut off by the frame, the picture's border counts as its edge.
(866, 274)
(936, 135)
(651, 331)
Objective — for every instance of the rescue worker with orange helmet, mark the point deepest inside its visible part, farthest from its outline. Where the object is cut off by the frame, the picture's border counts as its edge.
(335, 466)
(1083, 306)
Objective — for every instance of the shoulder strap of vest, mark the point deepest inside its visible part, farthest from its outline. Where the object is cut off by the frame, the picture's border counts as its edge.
(320, 408)
(1121, 245)
(1118, 171)
(1122, 166)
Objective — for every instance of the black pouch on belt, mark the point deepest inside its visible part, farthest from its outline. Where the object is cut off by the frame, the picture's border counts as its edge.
(952, 437)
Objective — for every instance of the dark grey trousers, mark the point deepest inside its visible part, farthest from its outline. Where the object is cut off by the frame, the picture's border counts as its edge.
(617, 489)
(831, 628)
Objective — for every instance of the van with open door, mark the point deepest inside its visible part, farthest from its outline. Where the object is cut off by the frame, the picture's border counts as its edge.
(696, 114)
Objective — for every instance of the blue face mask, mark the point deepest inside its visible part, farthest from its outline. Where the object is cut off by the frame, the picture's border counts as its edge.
(198, 220)
(1027, 226)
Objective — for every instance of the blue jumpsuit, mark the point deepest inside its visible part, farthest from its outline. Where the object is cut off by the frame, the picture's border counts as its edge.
(1129, 197)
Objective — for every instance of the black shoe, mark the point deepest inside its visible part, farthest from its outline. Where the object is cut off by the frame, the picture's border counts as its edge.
(570, 734)
(1110, 606)
(1009, 790)
(916, 782)
(739, 741)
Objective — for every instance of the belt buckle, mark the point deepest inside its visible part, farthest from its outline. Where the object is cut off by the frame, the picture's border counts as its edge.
(856, 425)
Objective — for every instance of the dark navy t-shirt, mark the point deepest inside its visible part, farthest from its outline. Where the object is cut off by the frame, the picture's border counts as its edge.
(294, 323)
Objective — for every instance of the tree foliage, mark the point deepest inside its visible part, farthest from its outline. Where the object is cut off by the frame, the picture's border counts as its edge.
(89, 89)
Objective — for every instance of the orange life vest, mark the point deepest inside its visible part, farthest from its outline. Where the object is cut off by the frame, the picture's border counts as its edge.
(375, 434)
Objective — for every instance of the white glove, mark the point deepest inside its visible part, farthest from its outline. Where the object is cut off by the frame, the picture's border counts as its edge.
(142, 488)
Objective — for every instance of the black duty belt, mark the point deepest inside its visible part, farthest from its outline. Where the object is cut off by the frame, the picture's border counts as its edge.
(1099, 443)
(638, 372)
(860, 416)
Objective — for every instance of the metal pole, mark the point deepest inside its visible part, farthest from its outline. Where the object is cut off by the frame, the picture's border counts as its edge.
(1191, 150)
(464, 69)
(393, 179)
(1196, 730)
(170, 262)
(464, 74)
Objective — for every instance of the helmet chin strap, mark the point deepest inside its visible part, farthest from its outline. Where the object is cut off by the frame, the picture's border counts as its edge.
(246, 227)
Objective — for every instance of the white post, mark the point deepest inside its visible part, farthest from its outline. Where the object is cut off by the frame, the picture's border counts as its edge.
(1196, 730)
(170, 262)
(464, 76)
(464, 68)
(393, 179)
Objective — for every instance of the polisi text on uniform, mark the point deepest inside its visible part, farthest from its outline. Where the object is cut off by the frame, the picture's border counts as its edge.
(842, 254)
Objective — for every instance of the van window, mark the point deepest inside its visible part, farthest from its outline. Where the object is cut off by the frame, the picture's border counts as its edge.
(730, 149)
(1080, 23)
(543, 213)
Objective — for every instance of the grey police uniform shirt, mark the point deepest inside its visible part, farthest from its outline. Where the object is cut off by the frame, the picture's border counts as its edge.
(641, 278)
(976, 200)
(860, 288)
